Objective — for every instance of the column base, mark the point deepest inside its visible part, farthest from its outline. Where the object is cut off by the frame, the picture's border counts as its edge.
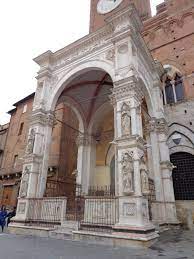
(122, 239)
(164, 213)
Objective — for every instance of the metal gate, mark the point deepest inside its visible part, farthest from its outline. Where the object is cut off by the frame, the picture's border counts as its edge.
(183, 175)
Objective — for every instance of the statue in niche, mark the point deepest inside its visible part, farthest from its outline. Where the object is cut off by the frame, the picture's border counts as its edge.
(24, 183)
(31, 140)
(127, 173)
(144, 182)
(125, 120)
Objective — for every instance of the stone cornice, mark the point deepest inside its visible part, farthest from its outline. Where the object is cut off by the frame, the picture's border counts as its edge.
(76, 50)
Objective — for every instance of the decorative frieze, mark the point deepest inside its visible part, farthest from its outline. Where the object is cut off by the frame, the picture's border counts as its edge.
(127, 88)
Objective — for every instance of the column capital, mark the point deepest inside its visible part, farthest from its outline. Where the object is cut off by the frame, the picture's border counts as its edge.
(45, 118)
(84, 140)
(126, 89)
(166, 165)
(158, 125)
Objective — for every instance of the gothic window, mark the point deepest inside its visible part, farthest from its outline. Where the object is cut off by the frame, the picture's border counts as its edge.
(173, 90)
(179, 87)
(169, 91)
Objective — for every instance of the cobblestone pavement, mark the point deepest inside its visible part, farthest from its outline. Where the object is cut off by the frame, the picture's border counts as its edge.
(172, 245)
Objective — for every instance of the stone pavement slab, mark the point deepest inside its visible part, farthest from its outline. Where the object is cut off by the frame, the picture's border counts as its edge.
(172, 245)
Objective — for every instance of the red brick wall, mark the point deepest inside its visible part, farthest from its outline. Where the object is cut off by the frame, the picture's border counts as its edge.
(98, 20)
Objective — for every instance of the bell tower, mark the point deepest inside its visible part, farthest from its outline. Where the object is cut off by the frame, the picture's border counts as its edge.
(97, 18)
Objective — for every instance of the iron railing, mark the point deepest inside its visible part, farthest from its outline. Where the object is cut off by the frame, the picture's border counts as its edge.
(100, 209)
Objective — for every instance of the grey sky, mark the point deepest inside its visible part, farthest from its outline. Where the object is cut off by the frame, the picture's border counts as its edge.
(29, 28)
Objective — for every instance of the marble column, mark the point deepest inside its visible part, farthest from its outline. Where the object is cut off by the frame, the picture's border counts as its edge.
(85, 161)
(130, 147)
(35, 165)
(166, 172)
(163, 209)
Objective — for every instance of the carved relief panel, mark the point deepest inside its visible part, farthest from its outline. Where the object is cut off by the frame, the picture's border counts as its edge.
(125, 120)
(24, 182)
(31, 140)
(127, 174)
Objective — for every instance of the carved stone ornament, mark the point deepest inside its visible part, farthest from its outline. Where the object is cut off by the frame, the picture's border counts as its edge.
(129, 209)
(31, 140)
(21, 208)
(125, 120)
(127, 173)
(144, 182)
(122, 49)
(110, 55)
(24, 183)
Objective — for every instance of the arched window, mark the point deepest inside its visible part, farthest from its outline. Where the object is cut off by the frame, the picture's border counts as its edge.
(179, 87)
(169, 91)
(173, 89)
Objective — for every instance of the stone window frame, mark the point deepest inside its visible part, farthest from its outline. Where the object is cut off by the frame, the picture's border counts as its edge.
(173, 82)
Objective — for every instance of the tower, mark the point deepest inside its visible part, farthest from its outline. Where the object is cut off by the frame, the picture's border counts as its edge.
(101, 9)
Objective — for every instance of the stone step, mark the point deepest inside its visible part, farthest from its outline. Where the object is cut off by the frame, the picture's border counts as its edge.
(60, 235)
(65, 230)
(72, 225)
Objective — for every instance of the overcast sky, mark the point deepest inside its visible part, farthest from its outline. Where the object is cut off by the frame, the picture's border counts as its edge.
(29, 28)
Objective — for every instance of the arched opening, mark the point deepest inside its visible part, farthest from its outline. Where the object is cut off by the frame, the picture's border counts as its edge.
(81, 137)
(183, 175)
(103, 133)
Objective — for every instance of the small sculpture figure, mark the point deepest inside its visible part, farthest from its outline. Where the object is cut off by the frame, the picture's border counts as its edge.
(125, 120)
(127, 173)
(31, 140)
(24, 183)
(144, 182)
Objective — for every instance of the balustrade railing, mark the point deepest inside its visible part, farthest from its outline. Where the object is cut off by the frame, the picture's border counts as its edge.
(46, 211)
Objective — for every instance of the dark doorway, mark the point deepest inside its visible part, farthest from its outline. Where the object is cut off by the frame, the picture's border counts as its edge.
(183, 175)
